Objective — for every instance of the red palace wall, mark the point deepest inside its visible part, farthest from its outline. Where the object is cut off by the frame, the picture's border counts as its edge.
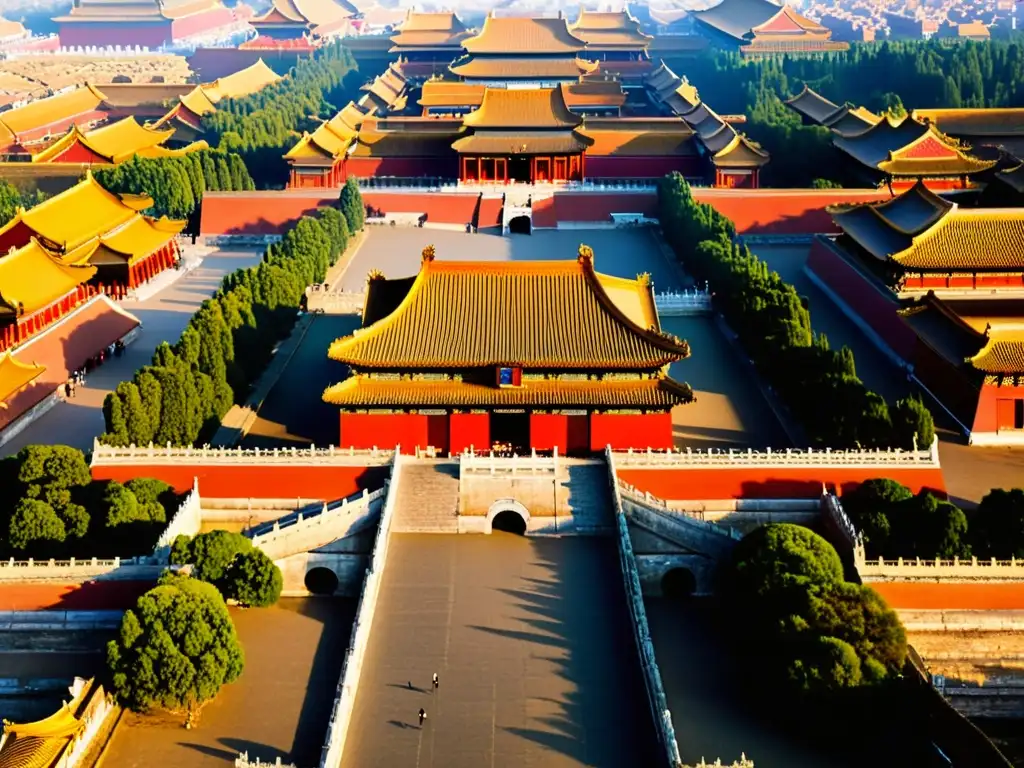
(198, 23)
(410, 430)
(15, 237)
(257, 481)
(648, 430)
(996, 407)
(125, 33)
(642, 167)
(403, 167)
(449, 208)
(770, 483)
(951, 596)
(759, 211)
(79, 153)
(783, 211)
(875, 305)
(569, 434)
(106, 595)
(469, 431)
(488, 212)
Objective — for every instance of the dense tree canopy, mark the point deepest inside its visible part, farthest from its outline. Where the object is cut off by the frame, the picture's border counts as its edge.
(997, 525)
(182, 395)
(51, 507)
(175, 649)
(263, 126)
(817, 633)
(228, 561)
(11, 199)
(918, 74)
(818, 384)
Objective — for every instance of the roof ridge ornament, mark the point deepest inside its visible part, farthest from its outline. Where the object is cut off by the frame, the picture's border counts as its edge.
(585, 255)
(428, 254)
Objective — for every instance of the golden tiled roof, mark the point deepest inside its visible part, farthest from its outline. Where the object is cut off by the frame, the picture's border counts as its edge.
(520, 142)
(14, 375)
(931, 154)
(609, 30)
(532, 108)
(32, 278)
(521, 35)
(1002, 355)
(38, 744)
(142, 236)
(593, 93)
(447, 93)
(430, 30)
(378, 143)
(365, 392)
(740, 152)
(198, 102)
(508, 66)
(540, 314)
(968, 239)
(675, 91)
(1000, 121)
(114, 142)
(53, 109)
(75, 215)
(640, 143)
(244, 82)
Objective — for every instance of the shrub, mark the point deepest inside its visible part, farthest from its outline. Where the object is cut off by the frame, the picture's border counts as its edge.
(209, 553)
(253, 579)
(175, 649)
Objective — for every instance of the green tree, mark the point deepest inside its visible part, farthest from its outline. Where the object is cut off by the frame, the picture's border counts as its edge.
(997, 525)
(175, 649)
(823, 665)
(34, 523)
(913, 424)
(155, 497)
(352, 208)
(253, 579)
(210, 553)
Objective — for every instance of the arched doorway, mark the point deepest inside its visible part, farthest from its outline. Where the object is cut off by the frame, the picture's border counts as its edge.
(321, 581)
(519, 225)
(678, 584)
(508, 515)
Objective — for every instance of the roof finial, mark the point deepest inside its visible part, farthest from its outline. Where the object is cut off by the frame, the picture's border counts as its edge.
(585, 254)
(428, 254)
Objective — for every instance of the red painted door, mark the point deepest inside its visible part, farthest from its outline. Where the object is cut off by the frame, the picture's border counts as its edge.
(1004, 413)
(437, 432)
(578, 437)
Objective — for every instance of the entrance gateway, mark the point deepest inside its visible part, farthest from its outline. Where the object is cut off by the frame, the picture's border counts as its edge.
(507, 515)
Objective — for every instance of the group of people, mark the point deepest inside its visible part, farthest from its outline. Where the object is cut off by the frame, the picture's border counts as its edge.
(77, 377)
(422, 714)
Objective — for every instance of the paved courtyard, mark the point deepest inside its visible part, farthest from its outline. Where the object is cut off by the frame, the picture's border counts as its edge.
(279, 707)
(969, 472)
(164, 316)
(531, 640)
(730, 410)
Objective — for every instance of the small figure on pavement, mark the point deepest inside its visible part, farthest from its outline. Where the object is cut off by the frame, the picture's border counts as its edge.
(423, 716)
(435, 681)
(67, 389)
(410, 686)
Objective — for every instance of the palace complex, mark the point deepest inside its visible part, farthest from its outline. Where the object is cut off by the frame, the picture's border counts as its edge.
(112, 144)
(427, 43)
(550, 355)
(760, 27)
(947, 148)
(58, 254)
(146, 23)
(941, 288)
(525, 103)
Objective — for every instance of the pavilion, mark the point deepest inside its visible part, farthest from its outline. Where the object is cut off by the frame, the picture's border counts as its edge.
(428, 42)
(549, 355)
(760, 27)
(112, 144)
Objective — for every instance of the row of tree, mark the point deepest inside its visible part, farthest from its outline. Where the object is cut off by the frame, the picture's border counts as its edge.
(921, 74)
(263, 126)
(231, 563)
(177, 184)
(894, 522)
(818, 384)
(816, 632)
(180, 398)
(51, 507)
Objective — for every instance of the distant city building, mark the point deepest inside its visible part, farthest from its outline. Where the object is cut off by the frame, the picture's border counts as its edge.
(760, 27)
(147, 23)
(301, 24)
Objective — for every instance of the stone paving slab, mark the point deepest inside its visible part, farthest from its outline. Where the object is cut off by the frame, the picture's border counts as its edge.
(530, 638)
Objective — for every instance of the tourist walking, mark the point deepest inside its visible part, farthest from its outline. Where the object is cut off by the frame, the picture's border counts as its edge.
(423, 716)
(435, 681)
(67, 389)
(410, 686)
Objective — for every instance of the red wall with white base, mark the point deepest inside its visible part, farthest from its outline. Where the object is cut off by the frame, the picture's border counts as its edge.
(996, 407)
(255, 481)
(638, 431)
(770, 483)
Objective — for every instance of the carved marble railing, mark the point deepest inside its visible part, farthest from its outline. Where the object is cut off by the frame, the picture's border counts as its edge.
(879, 569)
(107, 455)
(489, 463)
(320, 299)
(682, 303)
(790, 457)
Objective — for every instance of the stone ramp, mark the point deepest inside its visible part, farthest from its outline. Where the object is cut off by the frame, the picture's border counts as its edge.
(531, 639)
(589, 498)
(311, 528)
(428, 497)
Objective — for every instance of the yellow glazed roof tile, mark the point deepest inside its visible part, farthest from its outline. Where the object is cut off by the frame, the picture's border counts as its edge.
(14, 375)
(52, 109)
(32, 278)
(114, 142)
(523, 35)
(533, 108)
(554, 314)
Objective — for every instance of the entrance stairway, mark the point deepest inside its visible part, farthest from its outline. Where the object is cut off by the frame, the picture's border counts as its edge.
(589, 497)
(428, 497)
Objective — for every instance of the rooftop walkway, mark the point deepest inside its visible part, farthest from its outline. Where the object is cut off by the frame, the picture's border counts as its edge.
(530, 638)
